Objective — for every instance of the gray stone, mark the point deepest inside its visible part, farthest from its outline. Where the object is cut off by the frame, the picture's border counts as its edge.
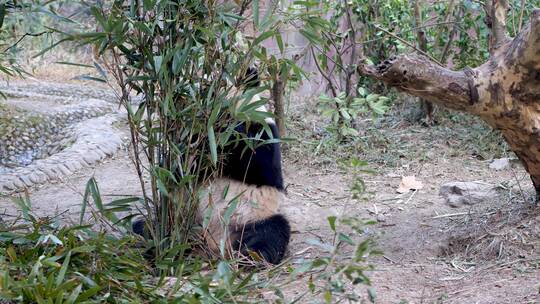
(33, 178)
(41, 176)
(8, 185)
(500, 164)
(73, 165)
(65, 170)
(107, 149)
(49, 171)
(458, 194)
(91, 158)
(26, 180)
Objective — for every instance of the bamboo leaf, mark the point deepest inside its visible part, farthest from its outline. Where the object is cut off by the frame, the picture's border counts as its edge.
(256, 13)
(332, 222)
(74, 295)
(63, 270)
(279, 42)
(213, 145)
(74, 64)
(263, 37)
(2, 14)
(311, 36)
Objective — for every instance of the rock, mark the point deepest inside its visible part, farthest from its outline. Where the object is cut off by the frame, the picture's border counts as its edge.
(457, 194)
(107, 149)
(91, 158)
(41, 177)
(26, 180)
(33, 178)
(65, 170)
(500, 164)
(8, 185)
(49, 171)
(73, 165)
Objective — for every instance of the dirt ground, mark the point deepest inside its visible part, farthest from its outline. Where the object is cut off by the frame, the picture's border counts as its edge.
(432, 253)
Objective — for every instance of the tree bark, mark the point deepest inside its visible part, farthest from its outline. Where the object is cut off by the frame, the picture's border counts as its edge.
(496, 22)
(278, 92)
(427, 107)
(504, 91)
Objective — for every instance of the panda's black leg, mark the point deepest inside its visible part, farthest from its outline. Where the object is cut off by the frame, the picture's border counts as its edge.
(269, 238)
(138, 227)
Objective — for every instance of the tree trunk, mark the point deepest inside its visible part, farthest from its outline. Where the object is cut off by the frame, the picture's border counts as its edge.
(504, 91)
(278, 92)
(427, 107)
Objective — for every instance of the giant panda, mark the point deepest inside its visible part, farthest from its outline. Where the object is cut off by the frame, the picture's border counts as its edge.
(254, 180)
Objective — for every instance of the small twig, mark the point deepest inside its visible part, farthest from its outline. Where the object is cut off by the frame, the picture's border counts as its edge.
(410, 45)
(402, 32)
(452, 214)
(350, 68)
(391, 260)
(451, 36)
(452, 278)
(331, 84)
(26, 35)
(518, 184)
(410, 197)
(522, 10)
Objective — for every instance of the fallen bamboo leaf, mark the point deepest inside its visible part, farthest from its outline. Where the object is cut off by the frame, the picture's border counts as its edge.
(409, 183)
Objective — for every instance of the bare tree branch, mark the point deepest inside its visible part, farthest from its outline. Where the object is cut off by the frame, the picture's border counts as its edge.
(496, 21)
(409, 44)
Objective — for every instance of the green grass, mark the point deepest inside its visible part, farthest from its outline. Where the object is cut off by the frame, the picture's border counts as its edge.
(394, 139)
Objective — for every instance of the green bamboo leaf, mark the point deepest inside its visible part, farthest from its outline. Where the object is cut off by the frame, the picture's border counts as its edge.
(87, 294)
(75, 64)
(263, 37)
(83, 249)
(345, 114)
(268, 15)
(123, 201)
(45, 50)
(372, 97)
(74, 295)
(345, 238)
(92, 190)
(59, 297)
(91, 78)
(256, 13)
(63, 270)
(311, 36)
(54, 15)
(279, 41)
(100, 70)
(332, 222)
(213, 145)
(2, 14)
(98, 16)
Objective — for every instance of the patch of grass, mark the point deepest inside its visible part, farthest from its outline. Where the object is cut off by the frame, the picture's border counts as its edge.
(393, 140)
(41, 262)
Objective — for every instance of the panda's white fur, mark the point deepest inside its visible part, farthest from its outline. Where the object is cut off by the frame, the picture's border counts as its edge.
(252, 204)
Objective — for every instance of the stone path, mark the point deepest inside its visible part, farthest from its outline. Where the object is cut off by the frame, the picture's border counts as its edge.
(49, 130)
